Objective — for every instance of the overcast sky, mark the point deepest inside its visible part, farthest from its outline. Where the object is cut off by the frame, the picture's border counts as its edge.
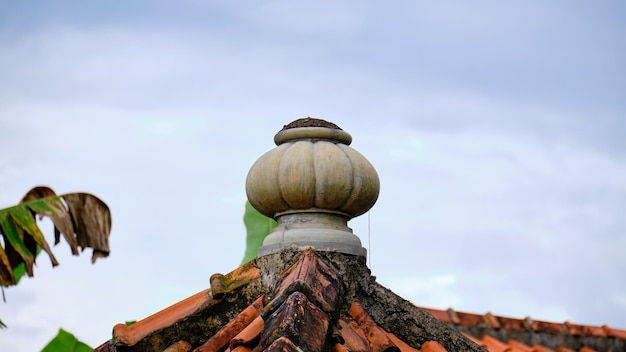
(497, 129)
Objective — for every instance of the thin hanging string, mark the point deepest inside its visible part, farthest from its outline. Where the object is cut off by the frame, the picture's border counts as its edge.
(369, 239)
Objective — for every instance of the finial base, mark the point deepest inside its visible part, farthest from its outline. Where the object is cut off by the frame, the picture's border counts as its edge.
(321, 231)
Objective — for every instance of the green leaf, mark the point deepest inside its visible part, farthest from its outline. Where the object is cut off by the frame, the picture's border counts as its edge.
(14, 236)
(7, 274)
(27, 222)
(20, 270)
(258, 226)
(66, 342)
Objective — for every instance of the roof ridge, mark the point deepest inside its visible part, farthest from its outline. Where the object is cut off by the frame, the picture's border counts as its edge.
(455, 317)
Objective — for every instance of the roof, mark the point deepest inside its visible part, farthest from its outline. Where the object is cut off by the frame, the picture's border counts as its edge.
(498, 333)
(292, 301)
(319, 301)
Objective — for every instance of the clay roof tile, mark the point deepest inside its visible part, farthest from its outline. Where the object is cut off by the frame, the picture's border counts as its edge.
(377, 338)
(179, 346)
(617, 333)
(517, 346)
(539, 348)
(564, 349)
(403, 346)
(249, 335)
(130, 335)
(441, 315)
(474, 340)
(432, 346)
(587, 349)
(222, 338)
(495, 345)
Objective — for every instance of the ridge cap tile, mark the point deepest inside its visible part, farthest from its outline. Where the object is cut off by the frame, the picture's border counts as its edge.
(491, 320)
(616, 333)
(242, 275)
(298, 319)
(283, 344)
(312, 276)
(451, 316)
(223, 336)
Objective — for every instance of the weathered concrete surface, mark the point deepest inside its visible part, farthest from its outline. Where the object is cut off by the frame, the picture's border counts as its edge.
(395, 314)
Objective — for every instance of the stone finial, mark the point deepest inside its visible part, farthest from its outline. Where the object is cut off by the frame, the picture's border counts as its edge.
(312, 183)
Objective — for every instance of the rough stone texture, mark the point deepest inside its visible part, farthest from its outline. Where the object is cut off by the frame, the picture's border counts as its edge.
(310, 122)
(410, 323)
(199, 327)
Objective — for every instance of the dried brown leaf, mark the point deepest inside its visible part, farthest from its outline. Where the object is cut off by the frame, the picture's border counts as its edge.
(59, 215)
(92, 222)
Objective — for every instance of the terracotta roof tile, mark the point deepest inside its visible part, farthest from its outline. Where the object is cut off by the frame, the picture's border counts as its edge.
(337, 347)
(494, 345)
(549, 327)
(441, 315)
(475, 340)
(404, 347)
(249, 335)
(617, 333)
(300, 320)
(312, 276)
(491, 320)
(221, 284)
(538, 348)
(222, 338)
(377, 338)
(180, 346)
(517, 346)
(351, 340)
(563, 349)
(513, 324)
(241, 348)
(587, 349)
(130, 335)
(432, 346)
(304, 313)
(587, 330)
(283, 344)
(469, 319)
(561, 335)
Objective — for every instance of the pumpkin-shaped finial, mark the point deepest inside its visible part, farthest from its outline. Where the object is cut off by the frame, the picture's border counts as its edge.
(312, 183)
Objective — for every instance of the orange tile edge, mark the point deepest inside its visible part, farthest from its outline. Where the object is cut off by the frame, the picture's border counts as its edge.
(129, 335)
